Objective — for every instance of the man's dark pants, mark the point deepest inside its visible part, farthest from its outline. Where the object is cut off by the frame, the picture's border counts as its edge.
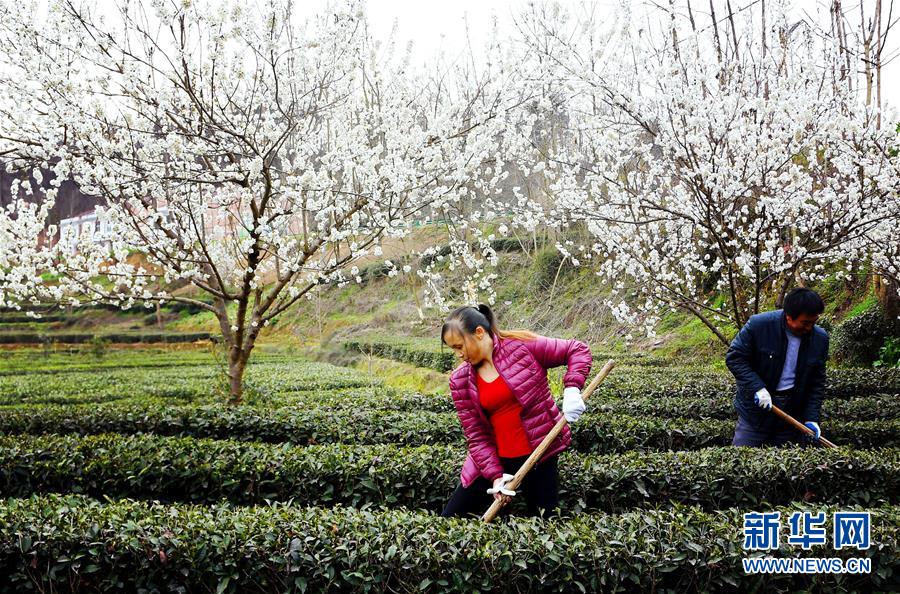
(772, 431)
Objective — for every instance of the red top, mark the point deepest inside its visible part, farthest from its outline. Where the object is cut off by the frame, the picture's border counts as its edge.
(504, 414)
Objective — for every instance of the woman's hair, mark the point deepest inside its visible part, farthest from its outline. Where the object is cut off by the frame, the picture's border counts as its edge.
(465, 320)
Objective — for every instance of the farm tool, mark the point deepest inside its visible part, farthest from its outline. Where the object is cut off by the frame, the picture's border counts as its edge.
(536, 455)
(800, 426)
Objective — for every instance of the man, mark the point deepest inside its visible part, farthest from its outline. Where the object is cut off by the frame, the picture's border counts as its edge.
(779, 358)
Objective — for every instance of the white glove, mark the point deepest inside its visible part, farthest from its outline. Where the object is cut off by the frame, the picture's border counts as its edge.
(573, 404)
(763, 399)
(500, 485)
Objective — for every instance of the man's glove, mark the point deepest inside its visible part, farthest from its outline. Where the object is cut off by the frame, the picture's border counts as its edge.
(573, 404)
(500, 486)
(817, 433)
(763, 399)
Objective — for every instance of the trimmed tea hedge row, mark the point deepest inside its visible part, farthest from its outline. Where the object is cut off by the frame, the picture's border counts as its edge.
(383, 398)
(637, 382)
(190, 383)
(31, 327)
(298, 426)
(24, 319)
(368, 398)
(639, 374)
(75, 544)
(411, 351)
(122, 338)
(271, 378)
(425, 352)
(195, 470)
(102, 386)
(606, 432)
(354, 422)
(871, 408)
(35, 360)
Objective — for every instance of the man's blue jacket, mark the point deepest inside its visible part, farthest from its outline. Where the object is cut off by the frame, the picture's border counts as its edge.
(756, 358)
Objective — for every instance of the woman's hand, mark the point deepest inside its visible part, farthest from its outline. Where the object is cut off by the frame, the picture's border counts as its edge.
(499, 490)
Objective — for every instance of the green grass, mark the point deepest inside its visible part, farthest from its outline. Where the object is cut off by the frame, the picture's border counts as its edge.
(691, 339)
(870, 301)
(404, 377)
(386, 306)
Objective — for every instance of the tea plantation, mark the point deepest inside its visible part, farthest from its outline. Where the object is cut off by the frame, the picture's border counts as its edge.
(128, 472)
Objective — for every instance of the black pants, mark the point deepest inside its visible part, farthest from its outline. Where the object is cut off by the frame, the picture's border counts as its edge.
(540, 489)
(771, 430)
(782, 434)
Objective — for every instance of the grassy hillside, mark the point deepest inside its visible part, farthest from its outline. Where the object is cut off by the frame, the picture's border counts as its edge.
(536, 290)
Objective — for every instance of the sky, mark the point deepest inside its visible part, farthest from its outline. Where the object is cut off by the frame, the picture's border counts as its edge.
(449, 25)
(440, 24)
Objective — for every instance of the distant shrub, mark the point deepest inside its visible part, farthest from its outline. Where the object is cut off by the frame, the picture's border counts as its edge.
(889, 354)
(857, 341)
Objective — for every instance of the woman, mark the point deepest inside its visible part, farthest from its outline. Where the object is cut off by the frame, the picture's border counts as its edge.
(504, 403)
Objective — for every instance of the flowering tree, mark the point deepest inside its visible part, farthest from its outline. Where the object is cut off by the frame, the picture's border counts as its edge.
(233, 148)
(885, 248)
(718, 163)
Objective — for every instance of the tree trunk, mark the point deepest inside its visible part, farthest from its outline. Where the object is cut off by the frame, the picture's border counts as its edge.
(237, 356)
(867, 51)
(236, 380)
(766, 87)
(708, 323)
(888, 296)
(878, 47)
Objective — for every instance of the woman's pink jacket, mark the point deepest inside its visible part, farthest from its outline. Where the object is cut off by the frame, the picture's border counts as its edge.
(523, 365)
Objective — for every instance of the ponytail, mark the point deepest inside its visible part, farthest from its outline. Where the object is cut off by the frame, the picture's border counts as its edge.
(466, 319)
(488, 315)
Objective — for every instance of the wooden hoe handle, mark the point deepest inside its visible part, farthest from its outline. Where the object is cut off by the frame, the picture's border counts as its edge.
(536, 455)
(800, 426)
